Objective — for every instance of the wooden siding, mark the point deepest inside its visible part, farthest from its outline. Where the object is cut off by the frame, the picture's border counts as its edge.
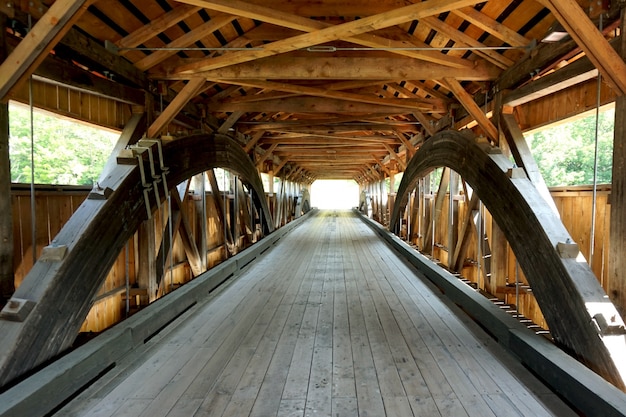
(77, 104)
(563, 104)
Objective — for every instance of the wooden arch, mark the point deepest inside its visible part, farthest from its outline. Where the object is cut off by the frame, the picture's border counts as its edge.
(581, 317)
(57, 294)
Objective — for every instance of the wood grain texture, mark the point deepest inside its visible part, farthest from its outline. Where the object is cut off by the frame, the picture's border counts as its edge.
(64, 291)
(329, 322)
(567, 291)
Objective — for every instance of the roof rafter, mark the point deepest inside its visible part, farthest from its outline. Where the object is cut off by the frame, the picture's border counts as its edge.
(588, 37)
(319, 36)
(33, 49)
(433, 105)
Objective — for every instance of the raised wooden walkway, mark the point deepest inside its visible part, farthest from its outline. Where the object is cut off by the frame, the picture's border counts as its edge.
(329, 323)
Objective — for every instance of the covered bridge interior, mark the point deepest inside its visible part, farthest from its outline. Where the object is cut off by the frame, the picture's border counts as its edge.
(423, 104)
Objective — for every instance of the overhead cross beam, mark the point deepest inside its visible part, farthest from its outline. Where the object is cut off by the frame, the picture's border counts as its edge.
(288, 67)
(322, 35)
(198, 33)
(433, 105)
(156, 26)
(287, 20)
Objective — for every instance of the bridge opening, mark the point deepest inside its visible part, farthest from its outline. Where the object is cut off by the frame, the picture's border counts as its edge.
(334, 194)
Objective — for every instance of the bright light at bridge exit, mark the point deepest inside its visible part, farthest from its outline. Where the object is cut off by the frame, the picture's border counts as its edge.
(334, 194)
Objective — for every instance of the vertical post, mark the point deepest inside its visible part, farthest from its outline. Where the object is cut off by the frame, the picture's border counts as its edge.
(617, 235)
(235, 213)
(499, 259)
(7, 284)
(147, 259)
(452, 217)
(201, 239)
(479, 242)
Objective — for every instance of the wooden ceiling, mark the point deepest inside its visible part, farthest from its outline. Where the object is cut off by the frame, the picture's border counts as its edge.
(333, 88)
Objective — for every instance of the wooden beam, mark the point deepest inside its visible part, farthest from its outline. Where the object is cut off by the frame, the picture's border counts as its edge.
(220, 208)
(34, 48)
(7, 283)
(345, 30)
(59, 71)
(186, 236)
(544, 55)
(472, 108)
(463, 39)
(568, 293)
(172, 227)
(253, 141)
(499, 259)
(286, 67)
(265, 154)
(146, 278)
(184, 95)
(441, 196)
(280, 166)
(133, 131)
(395, 156)
(408, 146)
(574, 73)
(156, 26)
(229, 122)
(304, 104)
(185, 40)
(306, 139)
(523, 156)
(420, 104)
(610, 64)
(491, 26)
(179, 227)
(617, 233)
(425, 122)
(465, 233)
(279, 17)
(453, 216)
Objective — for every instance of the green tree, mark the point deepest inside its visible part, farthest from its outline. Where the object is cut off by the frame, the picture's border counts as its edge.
(66, 152)
(565, 152)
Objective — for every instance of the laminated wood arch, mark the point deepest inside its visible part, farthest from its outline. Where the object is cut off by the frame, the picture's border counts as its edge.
(59, 290)
(582, 319)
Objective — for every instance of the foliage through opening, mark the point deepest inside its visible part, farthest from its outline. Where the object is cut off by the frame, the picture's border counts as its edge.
(565, 152)
(65, 152)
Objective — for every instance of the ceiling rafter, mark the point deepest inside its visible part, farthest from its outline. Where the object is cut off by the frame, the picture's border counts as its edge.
(431, 105)
(588, 37)
(327, 34)
(491, 26)
(472, 108)
(290, 21)
(187, 39)
(324, 67)
(463, 39)
(33, 49)
(156, 26)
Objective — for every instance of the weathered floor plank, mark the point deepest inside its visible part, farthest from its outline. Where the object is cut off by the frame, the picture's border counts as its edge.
(329, 323)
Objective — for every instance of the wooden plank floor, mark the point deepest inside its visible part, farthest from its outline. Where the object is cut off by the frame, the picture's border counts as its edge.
(329, 323)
